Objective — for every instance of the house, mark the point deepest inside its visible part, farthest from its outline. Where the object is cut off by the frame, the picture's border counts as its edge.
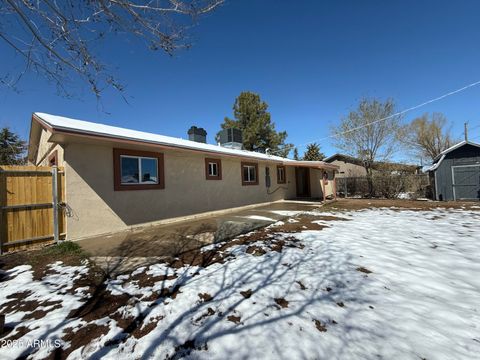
(455, 173)
(116, 178)
(353, 167)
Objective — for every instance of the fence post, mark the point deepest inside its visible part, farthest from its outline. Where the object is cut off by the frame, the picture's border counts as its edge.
(56, 235)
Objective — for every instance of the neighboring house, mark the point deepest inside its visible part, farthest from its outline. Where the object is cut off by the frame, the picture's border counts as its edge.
(353, 167)
(116, 178)
(455, 173)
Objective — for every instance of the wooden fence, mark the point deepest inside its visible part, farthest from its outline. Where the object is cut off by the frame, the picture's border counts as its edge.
(30, 206)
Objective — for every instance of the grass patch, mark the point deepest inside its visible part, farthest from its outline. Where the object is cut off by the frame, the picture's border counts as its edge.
(69, 253)
(64, 248)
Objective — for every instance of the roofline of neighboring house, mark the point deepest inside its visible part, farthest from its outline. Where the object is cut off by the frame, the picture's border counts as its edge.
(438, 160)
(359, 161)
(248, 154)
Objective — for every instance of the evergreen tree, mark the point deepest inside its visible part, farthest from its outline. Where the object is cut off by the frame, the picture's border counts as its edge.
(295, 154)
(12, 148)
(258, 131)
(313, 153)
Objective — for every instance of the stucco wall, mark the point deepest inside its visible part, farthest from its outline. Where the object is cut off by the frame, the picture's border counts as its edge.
(349, 169)
(97, 208)
(317, 185)
(46, 148)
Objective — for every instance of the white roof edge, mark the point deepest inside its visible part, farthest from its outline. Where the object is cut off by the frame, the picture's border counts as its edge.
(438, 160)
(67, 124)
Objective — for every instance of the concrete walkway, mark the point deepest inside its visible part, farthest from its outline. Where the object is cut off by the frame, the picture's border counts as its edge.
(152, 243)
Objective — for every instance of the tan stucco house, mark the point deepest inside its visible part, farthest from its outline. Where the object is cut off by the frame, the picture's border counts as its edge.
(117, 178)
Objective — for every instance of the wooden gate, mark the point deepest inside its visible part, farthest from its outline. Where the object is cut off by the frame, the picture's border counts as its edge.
(31, 199)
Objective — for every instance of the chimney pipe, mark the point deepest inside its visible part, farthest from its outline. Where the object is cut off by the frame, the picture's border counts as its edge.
(197, 134)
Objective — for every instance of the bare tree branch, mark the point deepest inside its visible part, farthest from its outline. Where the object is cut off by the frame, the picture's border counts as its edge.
(58, 39)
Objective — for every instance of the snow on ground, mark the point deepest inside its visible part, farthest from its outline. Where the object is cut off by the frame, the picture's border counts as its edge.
(257, 217)
(47, 304)
(377, 283)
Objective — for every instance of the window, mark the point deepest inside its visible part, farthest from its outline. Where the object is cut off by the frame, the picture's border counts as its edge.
(281, 178)
(249, 173)
(137, 170)
(53, 159)
(213, 169)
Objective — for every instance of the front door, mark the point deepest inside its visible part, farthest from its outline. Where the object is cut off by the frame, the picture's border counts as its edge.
(302, 177)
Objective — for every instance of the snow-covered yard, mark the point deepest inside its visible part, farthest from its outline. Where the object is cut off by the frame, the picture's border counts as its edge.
(375, 283)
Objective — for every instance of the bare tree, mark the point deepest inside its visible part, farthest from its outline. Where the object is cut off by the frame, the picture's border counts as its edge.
(427, 135)
(58, 39)
(369, 133)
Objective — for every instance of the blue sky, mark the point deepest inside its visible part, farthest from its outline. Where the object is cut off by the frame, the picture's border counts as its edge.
(311, 61)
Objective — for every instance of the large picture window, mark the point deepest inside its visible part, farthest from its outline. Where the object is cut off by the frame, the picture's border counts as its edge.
(138, 170)
(249, 173)
(213, 169)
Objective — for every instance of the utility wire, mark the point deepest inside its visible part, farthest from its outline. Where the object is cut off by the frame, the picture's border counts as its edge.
(387, 117)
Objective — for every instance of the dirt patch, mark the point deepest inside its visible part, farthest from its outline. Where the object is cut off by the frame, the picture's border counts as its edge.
(303, 287)
(141, 331)
(170, 292)
(143, 280)
(81, 337)
(363, 270)
(38, 314)
(281, 302)
(19, 332)
(234, 319)
(205, 297)
(30, 307)
(185, 349)
(330, 218)
(320, 326)
(68, 253)
(360, 204)
(247, 293)
(209, 312)
(255, 250)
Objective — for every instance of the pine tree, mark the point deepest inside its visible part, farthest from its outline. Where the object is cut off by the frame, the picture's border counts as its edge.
(12, 148)
(295, 154)
(258, 131)
(313, 153)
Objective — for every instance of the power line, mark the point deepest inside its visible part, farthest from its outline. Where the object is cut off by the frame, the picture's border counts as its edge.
(441, 97)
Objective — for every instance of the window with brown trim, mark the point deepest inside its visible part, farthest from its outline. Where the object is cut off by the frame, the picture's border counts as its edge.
(213, 169)
(249, 173)
(281, 175)
(137, 170)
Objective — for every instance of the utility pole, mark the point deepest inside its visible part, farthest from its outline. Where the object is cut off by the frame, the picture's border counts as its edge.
(466, 131)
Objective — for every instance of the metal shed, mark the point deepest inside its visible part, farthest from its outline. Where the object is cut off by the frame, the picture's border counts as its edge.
(455, 174)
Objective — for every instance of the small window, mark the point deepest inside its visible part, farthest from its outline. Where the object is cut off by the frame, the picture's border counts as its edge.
(53, 159)
(213, 169)
(281, 178)
(138, 170)
(249, 174)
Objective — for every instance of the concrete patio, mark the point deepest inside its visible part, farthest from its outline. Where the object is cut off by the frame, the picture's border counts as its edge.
(118, 252)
